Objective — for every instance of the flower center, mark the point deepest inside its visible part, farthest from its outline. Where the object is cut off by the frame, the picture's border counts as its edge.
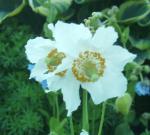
(89, 66)
(54, 59)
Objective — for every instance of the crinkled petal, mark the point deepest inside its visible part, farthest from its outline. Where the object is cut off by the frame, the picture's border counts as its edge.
(66, 64)
(43, 76)
(38, 48)
(68, 36)
(104, 37)
(38, 70)
(118, 56)
(54, 83)
(70, 91)
(95, 90)
(111, 84)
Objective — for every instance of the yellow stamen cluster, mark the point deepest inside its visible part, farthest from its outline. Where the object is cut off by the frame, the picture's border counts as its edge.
(89, 66)
(54, 59)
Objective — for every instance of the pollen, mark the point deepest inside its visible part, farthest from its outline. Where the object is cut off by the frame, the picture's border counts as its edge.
(62, 73)
(54, 59)
(89, 66)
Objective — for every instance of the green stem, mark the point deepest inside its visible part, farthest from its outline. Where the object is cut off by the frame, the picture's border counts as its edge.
(57, 106)
(141, 76)
(85, 121)
(63, 122)
(71, 125)
(102, 118)
(93, 122)
(49, 104)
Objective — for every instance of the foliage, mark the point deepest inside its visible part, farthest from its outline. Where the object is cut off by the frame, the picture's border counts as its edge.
(10, 8)
(21, 99)
(26, 110)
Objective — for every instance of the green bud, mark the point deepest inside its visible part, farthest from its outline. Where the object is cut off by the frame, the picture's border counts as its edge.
(133, 77)
(138, 69)
(97, 14)
(146, 69)
(123, 104)
(146, 116)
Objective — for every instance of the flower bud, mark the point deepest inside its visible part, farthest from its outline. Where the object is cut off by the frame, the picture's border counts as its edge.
(146, 69)
(123, 104)
(133, 78)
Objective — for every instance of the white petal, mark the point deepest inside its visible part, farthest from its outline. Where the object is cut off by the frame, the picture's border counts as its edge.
(38, 48)
(54, 83)
(104, 37)
(112, 84)
(66, 64)
(84, 132)
(51, 27)
(70, 91)
(54, 79)
(43, 76)
(67, 35)
(118, 56)
(39, 69)
(95, 90)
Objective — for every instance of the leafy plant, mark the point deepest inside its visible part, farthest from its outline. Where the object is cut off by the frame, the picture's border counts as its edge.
(10, 8)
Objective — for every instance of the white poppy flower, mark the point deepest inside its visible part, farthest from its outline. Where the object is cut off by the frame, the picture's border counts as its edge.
(44, 54)
(91, 61)
(84, 132)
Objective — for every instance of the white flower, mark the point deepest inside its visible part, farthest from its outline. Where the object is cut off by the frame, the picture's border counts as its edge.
(76, 57)
(44, 54)
(91, 61)
(84, 132)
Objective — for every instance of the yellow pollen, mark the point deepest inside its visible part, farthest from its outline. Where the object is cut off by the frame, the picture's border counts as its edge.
(54, 59)
(61, 74)
(89, 66)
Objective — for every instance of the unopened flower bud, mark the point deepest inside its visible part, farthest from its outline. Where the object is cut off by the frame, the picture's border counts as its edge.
(146, 69)
(123, 104)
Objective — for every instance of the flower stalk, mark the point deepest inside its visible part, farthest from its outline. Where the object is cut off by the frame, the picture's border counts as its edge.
(71, 125)
(102, 118)
(85, 121)
(57, 106)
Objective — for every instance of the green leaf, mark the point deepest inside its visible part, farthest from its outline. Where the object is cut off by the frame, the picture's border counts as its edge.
(83, 1)
(142, 56)
(10, 8)
(146, 133)
(39, 7)
(144, 119)
(61, 5)
(123, 129)
(145, 21)
(133, 11)
(56, 126)
(130, 118)
(50, 8)
(141, 44)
